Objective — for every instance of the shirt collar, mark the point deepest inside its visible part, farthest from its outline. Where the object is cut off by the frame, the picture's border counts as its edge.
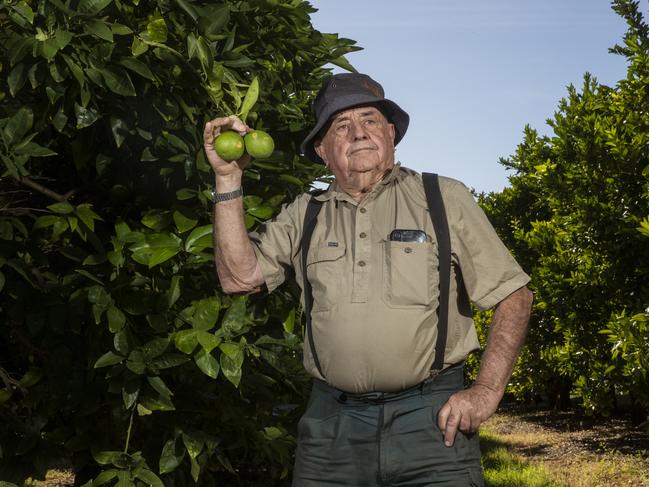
(335, 192)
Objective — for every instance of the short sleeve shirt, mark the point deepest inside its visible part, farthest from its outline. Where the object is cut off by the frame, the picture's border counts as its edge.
(374, 308)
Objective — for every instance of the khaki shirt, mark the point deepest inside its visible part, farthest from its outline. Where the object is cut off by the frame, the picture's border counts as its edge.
(374, 300)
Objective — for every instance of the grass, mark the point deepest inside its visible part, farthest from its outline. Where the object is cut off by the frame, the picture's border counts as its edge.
(503, 468)
(520, 454)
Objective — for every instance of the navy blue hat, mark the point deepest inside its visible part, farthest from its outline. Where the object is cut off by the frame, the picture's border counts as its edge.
(347, 90)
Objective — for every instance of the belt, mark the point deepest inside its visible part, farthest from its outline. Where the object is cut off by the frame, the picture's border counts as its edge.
(424, 387)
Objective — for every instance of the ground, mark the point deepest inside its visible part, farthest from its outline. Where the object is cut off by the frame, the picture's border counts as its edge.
(573, 449)
(546, 448)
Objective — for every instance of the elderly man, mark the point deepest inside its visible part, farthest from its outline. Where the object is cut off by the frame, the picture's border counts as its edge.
(388, 405)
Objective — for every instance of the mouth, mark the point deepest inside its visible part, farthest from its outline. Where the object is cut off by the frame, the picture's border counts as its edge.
(360, 149)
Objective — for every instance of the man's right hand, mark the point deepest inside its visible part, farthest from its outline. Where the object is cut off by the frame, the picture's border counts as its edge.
(224, 169)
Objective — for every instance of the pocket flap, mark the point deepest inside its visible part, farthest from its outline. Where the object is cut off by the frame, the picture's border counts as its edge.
(324, 253)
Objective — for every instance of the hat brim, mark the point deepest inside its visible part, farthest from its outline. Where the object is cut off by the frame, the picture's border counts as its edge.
(395, 115)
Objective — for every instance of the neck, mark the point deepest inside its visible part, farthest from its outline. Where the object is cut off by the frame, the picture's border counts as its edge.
(364, 183)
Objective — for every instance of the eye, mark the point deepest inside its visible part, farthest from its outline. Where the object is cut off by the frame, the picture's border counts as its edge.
(342, 128)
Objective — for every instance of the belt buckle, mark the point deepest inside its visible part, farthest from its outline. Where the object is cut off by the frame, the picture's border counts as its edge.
(433, 373)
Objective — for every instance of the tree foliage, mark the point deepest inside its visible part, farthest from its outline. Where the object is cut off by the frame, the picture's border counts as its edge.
(118, 352)
(574, 216)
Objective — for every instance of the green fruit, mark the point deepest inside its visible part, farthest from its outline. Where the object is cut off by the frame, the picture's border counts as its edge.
(229, 145)
(259, 144)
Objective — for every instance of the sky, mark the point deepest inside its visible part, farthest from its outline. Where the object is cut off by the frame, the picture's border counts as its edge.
(473, 73)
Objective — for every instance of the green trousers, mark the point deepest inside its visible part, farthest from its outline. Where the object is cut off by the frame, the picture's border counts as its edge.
(380, 439)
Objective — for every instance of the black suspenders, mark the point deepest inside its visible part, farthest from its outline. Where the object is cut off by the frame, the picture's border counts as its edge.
(442, 234)
(440, 224)
(310, 219)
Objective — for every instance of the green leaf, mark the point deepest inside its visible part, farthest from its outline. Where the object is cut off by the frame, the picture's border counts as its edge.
(207, 340)
(18, 125)
(159, 403)
(109, 358)
(250, 99)
(193, 445)
(138, 67)
(158, 384)
(106, 457)
(186, 340)
(120, 29)
(85, 116)
(184, 223)
(16, 79)
(93, 6)
(154, 348)
(189, 9)
(99, 29)
(130, 393)
(289, 323)
(231, 362)
(156, 31)
(171, 457)
(119, 130)
(343, 63)
(63, 208)
(205, 313)
(138, 47)
(174, 291)
(261, 212)
(104, 477)
(24, 10)
(118, 81)
(199, 239)
(116, 319)
(236, 318)
(207, 363)
(148, 477)
(156, 220)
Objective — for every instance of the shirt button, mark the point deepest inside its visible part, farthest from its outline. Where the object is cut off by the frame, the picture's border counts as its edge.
(362, 235)
(408, 250)
(361, 263)
(363, 210)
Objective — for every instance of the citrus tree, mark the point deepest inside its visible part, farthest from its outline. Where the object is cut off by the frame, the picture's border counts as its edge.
(572, 215)
(119, 354)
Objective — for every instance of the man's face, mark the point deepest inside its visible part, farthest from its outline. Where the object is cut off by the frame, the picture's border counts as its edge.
(358, 147)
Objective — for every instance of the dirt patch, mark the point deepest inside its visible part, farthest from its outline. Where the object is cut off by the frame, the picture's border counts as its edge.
(578, 450)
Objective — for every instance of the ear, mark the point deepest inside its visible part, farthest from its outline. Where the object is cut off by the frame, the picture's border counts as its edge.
(392, 131)
(317, 146)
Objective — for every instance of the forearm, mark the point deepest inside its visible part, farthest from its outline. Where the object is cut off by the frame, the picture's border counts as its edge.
(235, 259)
(506, 337)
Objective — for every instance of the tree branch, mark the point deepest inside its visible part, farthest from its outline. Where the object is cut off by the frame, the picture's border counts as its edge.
(42, 189)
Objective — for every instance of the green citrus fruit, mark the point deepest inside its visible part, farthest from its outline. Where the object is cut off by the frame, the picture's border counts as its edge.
(259, 144)
(229, 145)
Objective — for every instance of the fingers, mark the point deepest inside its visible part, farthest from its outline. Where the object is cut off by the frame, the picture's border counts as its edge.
(457, 414)
(448, 420)
(212, 129)
(218, 125)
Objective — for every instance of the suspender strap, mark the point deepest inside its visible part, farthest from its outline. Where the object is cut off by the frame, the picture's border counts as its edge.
(440, 224)
(310, 219)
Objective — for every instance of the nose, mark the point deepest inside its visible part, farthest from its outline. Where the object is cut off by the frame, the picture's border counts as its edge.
(358, 130)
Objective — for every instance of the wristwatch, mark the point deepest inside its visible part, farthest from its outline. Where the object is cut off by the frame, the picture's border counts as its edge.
(218, 197)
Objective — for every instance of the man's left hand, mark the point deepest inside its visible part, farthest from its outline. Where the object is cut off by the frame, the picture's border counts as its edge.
(466, 410)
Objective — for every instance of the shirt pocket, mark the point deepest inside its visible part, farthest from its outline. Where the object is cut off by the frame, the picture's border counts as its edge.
(324, 268)
(411, 275)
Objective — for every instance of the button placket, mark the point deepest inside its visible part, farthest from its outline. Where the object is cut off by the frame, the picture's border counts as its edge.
(361, 271)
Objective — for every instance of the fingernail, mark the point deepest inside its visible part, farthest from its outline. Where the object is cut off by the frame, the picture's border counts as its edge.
(447, 443)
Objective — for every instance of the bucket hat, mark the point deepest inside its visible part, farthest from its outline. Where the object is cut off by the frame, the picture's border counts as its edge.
(347, 90)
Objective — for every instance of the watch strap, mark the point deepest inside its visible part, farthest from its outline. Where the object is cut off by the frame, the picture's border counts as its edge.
(218, 197)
